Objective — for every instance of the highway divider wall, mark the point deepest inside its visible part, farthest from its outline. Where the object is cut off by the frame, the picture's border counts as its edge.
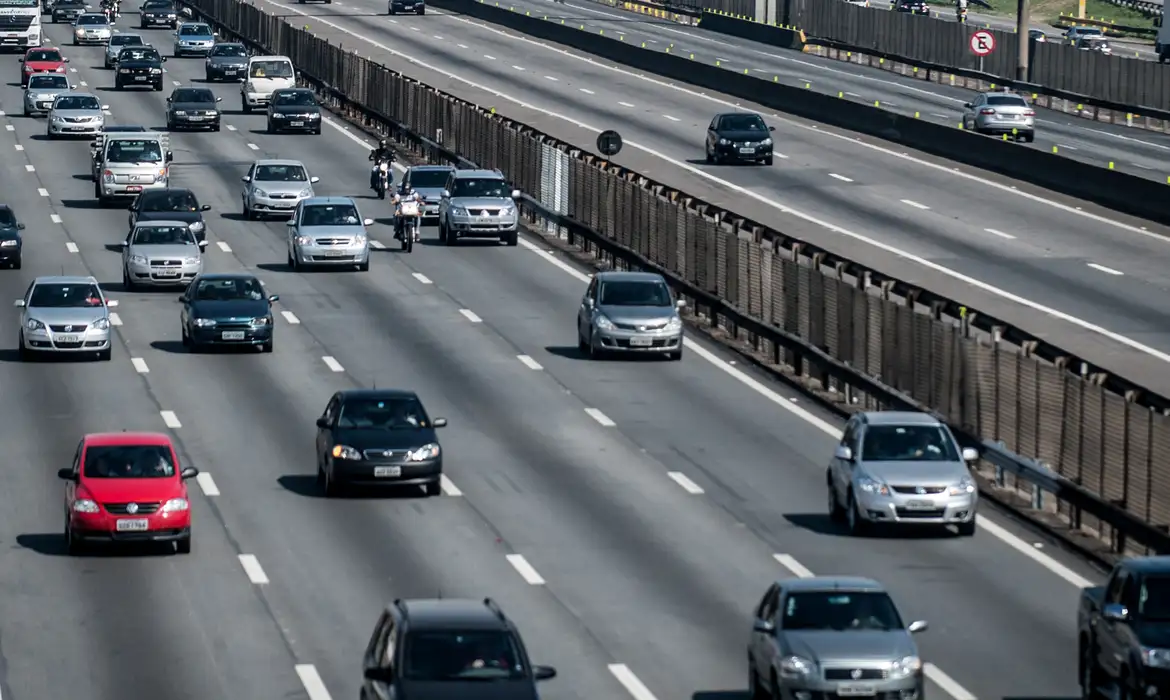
(854, 337)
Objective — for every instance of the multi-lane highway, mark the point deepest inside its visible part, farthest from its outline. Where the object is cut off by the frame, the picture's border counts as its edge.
(648, 499)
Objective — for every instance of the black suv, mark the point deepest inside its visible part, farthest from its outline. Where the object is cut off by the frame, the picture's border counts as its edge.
(446, 650)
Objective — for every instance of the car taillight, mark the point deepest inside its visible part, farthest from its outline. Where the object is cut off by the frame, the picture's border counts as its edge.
(987, 110)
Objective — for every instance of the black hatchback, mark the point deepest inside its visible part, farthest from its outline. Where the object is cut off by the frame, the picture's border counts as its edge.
(739, 137)
(294, 109)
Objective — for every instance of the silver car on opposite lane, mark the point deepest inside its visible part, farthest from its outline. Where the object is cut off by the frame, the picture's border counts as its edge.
(64, 315)
(76, 114)
(275, 188)
(901, 468)
(118, 42)
(328, 232)
(629, 312)
(161, 254)
(42, 89)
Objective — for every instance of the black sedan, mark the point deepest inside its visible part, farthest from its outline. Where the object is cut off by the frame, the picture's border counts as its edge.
(193, 108)
(139, 66)
(11, 243)
(68, 10)
(158, 13)
(227, 309)
(378, 437)
(227, 61)
(418, 7)
(294, 109)
(171, 204)
(739, 137)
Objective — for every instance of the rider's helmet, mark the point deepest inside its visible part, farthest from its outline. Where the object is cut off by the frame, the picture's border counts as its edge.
(382, 143)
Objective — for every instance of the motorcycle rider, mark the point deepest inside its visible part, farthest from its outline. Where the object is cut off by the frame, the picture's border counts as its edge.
(962, 10)
(379, 154)
(404, 195)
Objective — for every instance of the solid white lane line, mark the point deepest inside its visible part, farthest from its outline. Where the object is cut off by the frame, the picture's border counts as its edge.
(421, 278)
(526, 570)
(462, 46)
(842, 178)
(529, 362)
(30, 168)
(948, 684)
(115, 319)
(685, 482)
(789, 562)
(176, 83)
(290, 317)
(470, 315)
(1029, 551)
(673, 119)
(332, 364)
(377, 245)
(71, 247)
(253, 146)
(1106, 270)
(625, 104)
(314, 686)
(636, 688)
(914, 204)
(207, 484)
(600, 417)
(253, 569)
(170, 419)
(224, 246)
(139, 365)
(55, 218)
(1001, 234)
(449, 488)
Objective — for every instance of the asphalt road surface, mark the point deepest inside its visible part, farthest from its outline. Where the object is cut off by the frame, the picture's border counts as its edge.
(652, 519)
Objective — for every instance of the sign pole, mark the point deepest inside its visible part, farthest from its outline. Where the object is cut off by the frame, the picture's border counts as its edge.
(1023, 41)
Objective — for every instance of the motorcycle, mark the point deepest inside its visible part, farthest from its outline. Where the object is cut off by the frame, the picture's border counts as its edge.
(962, 14)
(410, 221)
(382, 183)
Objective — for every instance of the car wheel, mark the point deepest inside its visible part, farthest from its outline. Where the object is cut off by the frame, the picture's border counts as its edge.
(595, 351)
(244, 107)
(364, 267)
(755, 692)
(857, 525)
(294, 263)
(215, 127)
(16, 264)
(1028, 138)
(675, 356)
(836, 512)
(266, 347)
(73, 545)
(434, 488)
(158, 86)
(185, 339)
(512, 239)
(422, 11)
(967, 529)
(183, 546)
(768, 160)
(1090, 675)
(329, 486)
(581, 344)
(391, 12)
(268, 128)
(105, 355)
(442, 233)
(24, 353)
(127, 282)
(775, 692)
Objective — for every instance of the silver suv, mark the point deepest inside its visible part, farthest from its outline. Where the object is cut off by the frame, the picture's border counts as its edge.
(478, 204)
(903, 468)
(328, 231)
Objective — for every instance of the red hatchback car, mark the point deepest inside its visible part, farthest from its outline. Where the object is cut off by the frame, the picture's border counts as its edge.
(126, 487)
(43, 59)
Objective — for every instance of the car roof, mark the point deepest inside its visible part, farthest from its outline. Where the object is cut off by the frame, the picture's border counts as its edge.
(377, 394)
(124, 129)
(899, 418)
(79, 94)
(327, 200)
(624, 276)
(64, 279)
(292, 89)
(194, 24)
(1148, 565)
(126, 438)
(452, 613)
(155, 223)
(830, 583)
(269, 58)
(279, 161)
(91, 14)
(220, 276)
(447, 168)
(164, 191)
(42, 48)
(479, 173)
(739, 114)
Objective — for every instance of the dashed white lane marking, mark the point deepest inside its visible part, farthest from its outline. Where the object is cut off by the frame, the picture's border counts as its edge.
(685, 482)
(529, 362)
(423, 279)
(1106, 270)
(207, 484)
(526, 570)
(170, 419)
(42, 192)
(230, 127)
(625, 104)
(377, 245)
(462, 46)
(842, 178)
(55, 218)
(332, 364)
(253, 146)
(253, 569)
(600, 417)
(948, 684)
(84, 84)
(789, 562)
(1064, 145)
(549, 77)
(71, 247)
(224, 246)
(314, 686)
(139, 365)
(436, 36)
(415, 29)
(176, 83)
(490, 58)
(587, 91)
(912, 203)
(10, 127)
(72, 70)
(115, 319)
(290, 317)
(449, 488)
(31, 168)
(673, 119)
(470, 315)
(636, 688)
(1001, 234)
(518, 67)
(19, 147)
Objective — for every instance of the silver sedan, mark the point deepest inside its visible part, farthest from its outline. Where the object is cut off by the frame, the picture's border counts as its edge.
(64, 315)
(76, 114)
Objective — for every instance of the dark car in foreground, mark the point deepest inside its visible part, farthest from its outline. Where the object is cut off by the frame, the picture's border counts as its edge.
(171, 204)
(11, 242)
(227, 61)
(739, 137)
(227, 309)
(294, 109)
(139, 66)
(378, 437)
(193, 108)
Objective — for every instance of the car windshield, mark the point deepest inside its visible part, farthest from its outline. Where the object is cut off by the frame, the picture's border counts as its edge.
(134, 151)
(452, 655)
(163, 235)
(428, 178)
(156, 6)
(196, 30)
(280, 173)
(1006, 101)
(1154, 599)
(298, 98)
(229, 50)
(138, 54)
(77, 102)
(44, 55)
(92, 19)
(742, 122)
(113, 129)
(7, 218)
(189, 95)
(48, 82)
(65, 296)
(129, 462)
(330, 215)
(126, 40)
(908, 443)
(168, 201)
(388, 413)
(840, 611)
(272, 69)
(235, 289)
(480, 187)
(635, 293)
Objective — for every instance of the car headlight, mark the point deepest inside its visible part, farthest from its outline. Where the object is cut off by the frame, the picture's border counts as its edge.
(359, 240)
(314, 116)
(124, 70)
(191, 260)
(34, 325)
(796, 667)
(138, 259)
(79, 31)
(60, 69)
(278, 115)
(175, 505)
(1156, 658)
(304, 240)
(249, 87)
(85, 505)
(197, 226)
(262, 321)
(155, 71)
(604, 323)
(10, 243)
(424, 453)
(257, 192)
(965, 485)
(346, 452)
(869, 485)
(674, 324)
(205, 322)
(58, 120)
(180, 113)
(102, 324)
(507, 211)
(307, 192)
(907, 666)
(766, 142)
(458, 211)
(723, 142)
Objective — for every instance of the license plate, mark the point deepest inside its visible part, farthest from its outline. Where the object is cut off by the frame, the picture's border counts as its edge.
(134, 188)
(196, 119)
(233, 335)
(335, 254)
(132, 525)
(229, 72)
(68, 338)
(920, 505)
(747, 150)
(283, 205)
(167, 274)
(856, 691)
(382, 472)
(75, 128)
(641, 342)
(296, 124)
(484, 220)
(140, 77)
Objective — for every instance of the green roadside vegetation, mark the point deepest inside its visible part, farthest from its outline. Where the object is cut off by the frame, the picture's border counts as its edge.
(1049, 10)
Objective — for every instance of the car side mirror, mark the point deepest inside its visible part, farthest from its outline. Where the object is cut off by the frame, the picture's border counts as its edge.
(367, 222)
(20, 227)
(168, 100)
(189, 473)
(273, 297)
(203, 244)
(245, 179)
(219, 99)
(183, 298)
(382, 675)
(543, 673)
(66, 474)
(917, 626)
(170, 156)
(439, 423)
(968, 105)
(680, 304)
(843, 453)
(314, 180)
(290, 223)
(67, 59)
(322, 423)
(20, 60)
(1115, 612)
(205, 207)
(970, 454)
(19, 303)
(771, 128)
(445, 194)
(124, 245)
(515, 194)
(764, 626)
(105, 108)
(164, 59)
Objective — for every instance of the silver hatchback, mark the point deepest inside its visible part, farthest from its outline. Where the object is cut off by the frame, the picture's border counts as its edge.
(161, 254)
(901, 468)
(630, 312)
(275, 188)
(42, 89)
(64, 315)
(328, 232)
(1001, 113)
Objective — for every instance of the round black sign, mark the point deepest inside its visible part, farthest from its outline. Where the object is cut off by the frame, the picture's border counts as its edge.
(609, 143)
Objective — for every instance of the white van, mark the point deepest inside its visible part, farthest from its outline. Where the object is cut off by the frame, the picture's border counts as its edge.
(266, 75)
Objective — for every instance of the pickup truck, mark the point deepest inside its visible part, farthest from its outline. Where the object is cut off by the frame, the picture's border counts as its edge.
(1124, 633)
